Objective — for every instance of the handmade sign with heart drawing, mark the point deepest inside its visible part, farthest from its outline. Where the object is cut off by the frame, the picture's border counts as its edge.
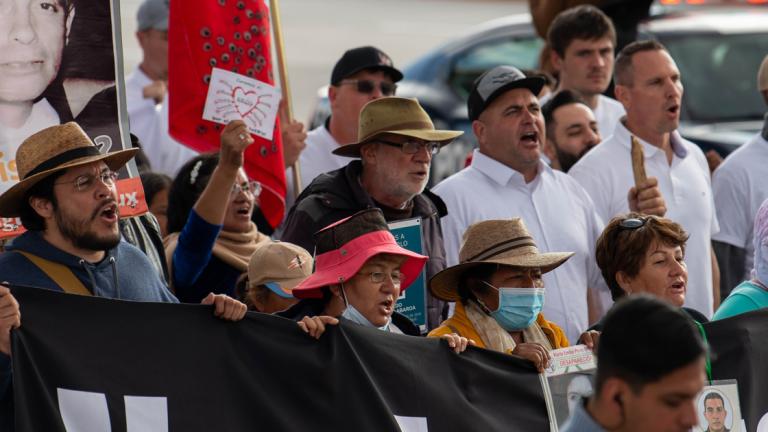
(232, 96)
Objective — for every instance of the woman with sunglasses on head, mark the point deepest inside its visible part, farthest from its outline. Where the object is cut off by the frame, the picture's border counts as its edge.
(360, 272)
(645, 254)
(209, 217)
(499, 292)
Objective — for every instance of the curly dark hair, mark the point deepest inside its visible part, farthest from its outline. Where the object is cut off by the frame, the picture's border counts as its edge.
(187, 187)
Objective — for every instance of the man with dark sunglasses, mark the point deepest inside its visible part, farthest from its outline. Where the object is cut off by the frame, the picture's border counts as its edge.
(361, 75)
(396, 144)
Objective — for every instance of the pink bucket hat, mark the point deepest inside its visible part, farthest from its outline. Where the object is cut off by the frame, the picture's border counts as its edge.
(345, 246)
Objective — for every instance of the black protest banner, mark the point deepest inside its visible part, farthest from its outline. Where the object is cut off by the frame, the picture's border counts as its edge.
(91, 362)
(739, 351)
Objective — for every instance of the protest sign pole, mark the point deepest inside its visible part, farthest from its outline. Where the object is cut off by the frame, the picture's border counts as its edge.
(274, 11)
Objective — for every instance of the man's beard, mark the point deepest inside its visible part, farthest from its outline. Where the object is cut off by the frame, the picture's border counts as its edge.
(81, 237)
(568, 160)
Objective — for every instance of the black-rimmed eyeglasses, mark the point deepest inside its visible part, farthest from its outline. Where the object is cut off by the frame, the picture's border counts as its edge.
(413, 147)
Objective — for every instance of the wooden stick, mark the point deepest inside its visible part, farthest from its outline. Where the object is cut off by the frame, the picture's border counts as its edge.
(274, 9)
(638, 162)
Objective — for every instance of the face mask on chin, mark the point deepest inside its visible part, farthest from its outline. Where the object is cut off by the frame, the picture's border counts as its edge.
(351, 313)
(518, 307)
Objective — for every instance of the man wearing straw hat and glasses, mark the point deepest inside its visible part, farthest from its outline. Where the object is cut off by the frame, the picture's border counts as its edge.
(67, 200)
(499, 292)
(396, 144)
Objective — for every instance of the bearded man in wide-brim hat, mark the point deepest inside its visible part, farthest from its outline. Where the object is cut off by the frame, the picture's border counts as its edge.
(499, 292)
(396, 143)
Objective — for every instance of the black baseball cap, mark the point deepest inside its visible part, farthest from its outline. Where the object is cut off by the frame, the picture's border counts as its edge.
(496, 81)
(363, 58)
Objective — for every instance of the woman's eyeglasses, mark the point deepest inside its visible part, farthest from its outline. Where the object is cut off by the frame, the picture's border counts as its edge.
(379, 277)
(252, 187)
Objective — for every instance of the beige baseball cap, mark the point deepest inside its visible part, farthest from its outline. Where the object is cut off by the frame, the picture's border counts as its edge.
(280, 266)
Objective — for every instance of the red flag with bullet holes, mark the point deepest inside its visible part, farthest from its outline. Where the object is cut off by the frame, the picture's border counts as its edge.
(233, 35)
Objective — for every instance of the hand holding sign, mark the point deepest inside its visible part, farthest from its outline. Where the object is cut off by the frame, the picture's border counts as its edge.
(233, 96)
(645, 197)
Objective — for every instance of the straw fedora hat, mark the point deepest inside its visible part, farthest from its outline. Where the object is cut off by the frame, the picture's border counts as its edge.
(342, 249)
(394, 115)
(51, 150)
(504, 242)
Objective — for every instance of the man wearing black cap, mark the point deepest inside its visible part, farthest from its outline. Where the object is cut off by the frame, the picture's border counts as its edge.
(507, 179)
(361, 75)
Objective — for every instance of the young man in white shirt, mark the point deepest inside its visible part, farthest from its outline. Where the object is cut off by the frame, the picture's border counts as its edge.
(740, 187)
(571, 129)
(507, 179)
(648, 85)
(582, 40)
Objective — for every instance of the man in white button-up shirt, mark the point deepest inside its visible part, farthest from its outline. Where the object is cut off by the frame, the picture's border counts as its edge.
(648, 85)
(507, 179)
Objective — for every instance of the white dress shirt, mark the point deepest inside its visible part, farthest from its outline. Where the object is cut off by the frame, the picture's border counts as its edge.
(606, 174)
(557, 212)
(608, 113)
(149, 122)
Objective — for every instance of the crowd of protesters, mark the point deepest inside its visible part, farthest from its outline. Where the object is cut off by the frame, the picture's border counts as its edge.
(548, 208)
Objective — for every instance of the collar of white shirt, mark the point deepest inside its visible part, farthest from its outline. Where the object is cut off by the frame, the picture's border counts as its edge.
(622, 135)
(502, 174)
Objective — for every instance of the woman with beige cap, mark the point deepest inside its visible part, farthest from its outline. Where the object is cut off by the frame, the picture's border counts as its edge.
(499, 292)
(274, 270)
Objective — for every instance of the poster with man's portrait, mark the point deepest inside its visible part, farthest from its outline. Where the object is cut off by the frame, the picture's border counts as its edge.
(61, 61)
(718, 408)
(570, 380)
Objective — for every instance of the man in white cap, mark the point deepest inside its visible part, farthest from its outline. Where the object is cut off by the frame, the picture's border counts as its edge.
(396, 142)
(508, 179)
(740, 186)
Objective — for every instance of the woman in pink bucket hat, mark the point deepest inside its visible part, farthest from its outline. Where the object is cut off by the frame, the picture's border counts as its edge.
(360, 271)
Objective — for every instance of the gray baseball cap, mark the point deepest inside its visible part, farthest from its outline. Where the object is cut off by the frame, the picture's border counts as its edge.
(153, 14)
(495, 82)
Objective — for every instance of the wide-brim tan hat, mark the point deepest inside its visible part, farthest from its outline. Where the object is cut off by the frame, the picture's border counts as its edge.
(504, 242)
(49, 151)
(398, 116)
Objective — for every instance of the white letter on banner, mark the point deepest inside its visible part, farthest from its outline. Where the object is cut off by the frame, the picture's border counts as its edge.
(83, 411)
(412, 424)
(146, 414)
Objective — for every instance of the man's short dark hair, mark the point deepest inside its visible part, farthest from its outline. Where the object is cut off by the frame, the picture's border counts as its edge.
(42, 189)
(622, 67)
(711, 396)
(581, 22)
(644, 339)
(561, 98)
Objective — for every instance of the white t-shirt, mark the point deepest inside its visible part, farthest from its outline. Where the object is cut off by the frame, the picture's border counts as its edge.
(607, 113)
(557, 212)
(606, 174)
(149, 122)
(42, 116)
(316, 159)
(740, 185)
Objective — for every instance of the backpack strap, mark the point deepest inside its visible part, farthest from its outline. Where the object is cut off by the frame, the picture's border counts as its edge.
(59, 273)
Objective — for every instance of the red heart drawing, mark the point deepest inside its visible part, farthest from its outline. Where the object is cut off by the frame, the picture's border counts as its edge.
(243, 104)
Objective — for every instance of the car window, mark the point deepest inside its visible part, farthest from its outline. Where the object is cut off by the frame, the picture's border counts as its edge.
(719, 73)
(523, 53)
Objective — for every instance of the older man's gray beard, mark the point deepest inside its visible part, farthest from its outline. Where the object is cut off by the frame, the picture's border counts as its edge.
(81, 237)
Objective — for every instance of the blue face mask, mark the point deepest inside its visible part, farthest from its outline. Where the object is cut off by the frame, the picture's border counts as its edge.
(354, 315)
(518, 307)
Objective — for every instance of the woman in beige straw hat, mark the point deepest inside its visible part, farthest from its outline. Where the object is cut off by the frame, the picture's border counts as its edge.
(499, 292)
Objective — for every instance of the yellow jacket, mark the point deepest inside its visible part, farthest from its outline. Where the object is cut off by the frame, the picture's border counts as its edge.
(459, 323)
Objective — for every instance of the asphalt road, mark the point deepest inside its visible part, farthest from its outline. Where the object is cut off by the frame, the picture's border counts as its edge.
(317, 32)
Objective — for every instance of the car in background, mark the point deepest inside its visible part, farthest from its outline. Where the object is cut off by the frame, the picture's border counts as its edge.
(718, 50)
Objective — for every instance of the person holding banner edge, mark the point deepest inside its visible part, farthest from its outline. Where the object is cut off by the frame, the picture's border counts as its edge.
(360, 273)
(499, 292)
